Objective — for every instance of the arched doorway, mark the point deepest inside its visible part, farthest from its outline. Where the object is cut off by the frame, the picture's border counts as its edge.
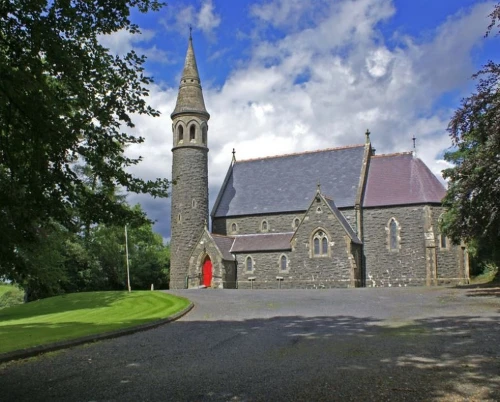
(207, 272)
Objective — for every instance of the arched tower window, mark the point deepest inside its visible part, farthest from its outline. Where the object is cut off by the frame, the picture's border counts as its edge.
(180, 134)
(192, 132)
(296, 223)
(204, 135)
(393, 239)
(320, 244)
(264, 226)
(249, 264)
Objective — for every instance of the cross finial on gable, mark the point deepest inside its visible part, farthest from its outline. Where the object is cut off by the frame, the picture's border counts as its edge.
(234, 155)
(414, 145)
(367, 136)
(319, 186)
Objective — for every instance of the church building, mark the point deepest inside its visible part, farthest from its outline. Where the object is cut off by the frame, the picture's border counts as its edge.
(337, 217)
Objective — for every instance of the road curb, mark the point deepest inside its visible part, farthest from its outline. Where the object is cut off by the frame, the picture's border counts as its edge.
(51, 347)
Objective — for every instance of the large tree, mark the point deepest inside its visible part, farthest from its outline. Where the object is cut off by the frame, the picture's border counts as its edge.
(66, 100)
(473, 197)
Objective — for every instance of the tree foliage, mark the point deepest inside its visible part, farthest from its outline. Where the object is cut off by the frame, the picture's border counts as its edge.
(66, 101)
(473, 197)
(63, 262)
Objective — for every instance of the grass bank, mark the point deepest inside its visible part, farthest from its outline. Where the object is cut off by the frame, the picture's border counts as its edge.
(10, 295)
(75, 315)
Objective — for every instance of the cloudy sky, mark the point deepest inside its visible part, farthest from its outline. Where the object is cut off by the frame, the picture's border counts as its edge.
(282, 76)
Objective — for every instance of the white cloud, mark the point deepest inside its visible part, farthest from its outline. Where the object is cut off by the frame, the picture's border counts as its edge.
(322, 84)
(208, 20)
(205, 18)
(121, 42)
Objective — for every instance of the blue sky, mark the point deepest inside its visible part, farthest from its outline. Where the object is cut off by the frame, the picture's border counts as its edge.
(284, 76)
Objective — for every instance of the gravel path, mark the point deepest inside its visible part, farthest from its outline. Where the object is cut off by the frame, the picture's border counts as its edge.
(411, 344)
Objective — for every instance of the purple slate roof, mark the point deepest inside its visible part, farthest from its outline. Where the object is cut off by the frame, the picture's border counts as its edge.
(401, 179)
(262, 242)
(285, 183)
(224, 244)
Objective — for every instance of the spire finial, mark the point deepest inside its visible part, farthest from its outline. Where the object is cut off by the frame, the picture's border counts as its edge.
(367, 135)
(319, 186)
(234, 155)
(190, 32)
(414, 145)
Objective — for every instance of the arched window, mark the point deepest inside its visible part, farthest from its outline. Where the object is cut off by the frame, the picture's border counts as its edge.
(192, 132)
(320, 244)
(234, 228)
(283, 263)
(393, 235)
(296, 223)
(180, 134)
(204, 135)
(249, 264)
(324, 246)
(443, 241)
(264, 226)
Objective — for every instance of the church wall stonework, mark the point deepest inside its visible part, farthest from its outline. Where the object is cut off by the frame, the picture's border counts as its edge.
(277, 223)
(403, 267)
(450, 260)
(410, 264)
(339, 268)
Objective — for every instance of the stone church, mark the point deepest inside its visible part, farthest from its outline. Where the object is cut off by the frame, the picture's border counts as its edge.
(337, 217)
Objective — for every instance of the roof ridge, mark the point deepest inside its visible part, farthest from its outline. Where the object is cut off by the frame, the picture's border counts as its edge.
(393, 154)
(301, 153)
(220, 235)
(263, 234)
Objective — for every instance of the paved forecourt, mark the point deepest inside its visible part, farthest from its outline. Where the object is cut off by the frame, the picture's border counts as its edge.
(242, 345)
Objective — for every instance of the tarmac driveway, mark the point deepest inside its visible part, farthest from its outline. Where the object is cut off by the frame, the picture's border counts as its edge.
(400, 344)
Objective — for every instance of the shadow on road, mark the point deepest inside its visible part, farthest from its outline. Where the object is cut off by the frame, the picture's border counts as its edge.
(280, 358)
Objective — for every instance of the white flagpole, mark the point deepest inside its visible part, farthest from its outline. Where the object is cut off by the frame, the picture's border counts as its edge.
(126, 252)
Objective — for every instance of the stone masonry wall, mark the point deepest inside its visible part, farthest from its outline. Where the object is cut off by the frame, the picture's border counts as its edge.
(450, 269)
(189, 208)
(337, 269)
(403, 267)
(276, 223)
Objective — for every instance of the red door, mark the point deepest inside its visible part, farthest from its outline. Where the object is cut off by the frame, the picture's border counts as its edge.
(207, 272)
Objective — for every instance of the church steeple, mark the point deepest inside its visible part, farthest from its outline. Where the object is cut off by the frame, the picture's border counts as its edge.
(190, 96)
(189, 170)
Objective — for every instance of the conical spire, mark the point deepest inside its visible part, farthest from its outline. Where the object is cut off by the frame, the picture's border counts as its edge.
(190, 97)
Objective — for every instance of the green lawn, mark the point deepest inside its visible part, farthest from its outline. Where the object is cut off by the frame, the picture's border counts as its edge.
(79, 314)
(10, 295)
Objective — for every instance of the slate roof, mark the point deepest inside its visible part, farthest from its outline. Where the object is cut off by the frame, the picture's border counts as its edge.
(224, 243)
(401, 179)
(286, 183)
(262, 242)
(343, 221)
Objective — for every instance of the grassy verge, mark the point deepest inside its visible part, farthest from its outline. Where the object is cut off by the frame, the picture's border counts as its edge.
(79, 314)
(10, 295)
(489, 276)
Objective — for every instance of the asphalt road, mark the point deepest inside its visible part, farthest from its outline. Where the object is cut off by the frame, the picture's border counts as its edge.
(413, 344)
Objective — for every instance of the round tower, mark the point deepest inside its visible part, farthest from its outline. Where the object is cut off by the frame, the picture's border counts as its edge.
(189, 170)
